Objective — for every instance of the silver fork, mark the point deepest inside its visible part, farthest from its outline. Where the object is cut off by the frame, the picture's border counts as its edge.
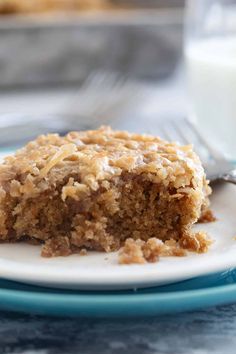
(184, 131)
(103, 97)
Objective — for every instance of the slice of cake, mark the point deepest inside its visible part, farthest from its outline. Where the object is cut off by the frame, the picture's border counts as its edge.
(95, 189)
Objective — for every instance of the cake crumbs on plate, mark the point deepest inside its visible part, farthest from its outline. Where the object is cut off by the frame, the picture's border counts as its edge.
(140, 252)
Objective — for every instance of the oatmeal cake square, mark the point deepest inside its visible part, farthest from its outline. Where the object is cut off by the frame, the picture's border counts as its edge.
(95, 189)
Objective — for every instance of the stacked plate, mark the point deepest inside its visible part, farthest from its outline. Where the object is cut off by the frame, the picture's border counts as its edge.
(96, 285)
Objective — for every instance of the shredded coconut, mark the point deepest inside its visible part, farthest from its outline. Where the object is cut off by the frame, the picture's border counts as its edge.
(62, 153)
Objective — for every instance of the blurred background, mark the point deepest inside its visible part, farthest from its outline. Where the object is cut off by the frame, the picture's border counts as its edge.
(89, 61)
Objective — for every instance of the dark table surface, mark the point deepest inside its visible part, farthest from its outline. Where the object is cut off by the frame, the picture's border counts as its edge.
(202, 332)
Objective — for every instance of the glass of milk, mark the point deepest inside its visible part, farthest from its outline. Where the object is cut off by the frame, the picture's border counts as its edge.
(210, 53)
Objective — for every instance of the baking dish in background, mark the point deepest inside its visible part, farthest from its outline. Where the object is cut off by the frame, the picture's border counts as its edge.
(64, 49)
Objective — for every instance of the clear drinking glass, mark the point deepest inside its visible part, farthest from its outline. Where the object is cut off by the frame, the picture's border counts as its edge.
(210, 53)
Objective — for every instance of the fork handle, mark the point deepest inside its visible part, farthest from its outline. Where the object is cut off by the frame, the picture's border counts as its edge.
(230, 177)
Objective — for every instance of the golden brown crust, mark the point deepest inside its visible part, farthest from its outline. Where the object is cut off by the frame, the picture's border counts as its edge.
(100, 156)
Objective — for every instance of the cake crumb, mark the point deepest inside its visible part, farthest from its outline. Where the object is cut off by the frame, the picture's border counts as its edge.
(56, 247)
(138, 251)
(198, 242)
(83, 252)
(207, 216)
(132, 252)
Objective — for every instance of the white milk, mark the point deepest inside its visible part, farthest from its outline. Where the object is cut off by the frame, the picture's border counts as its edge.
(211, 65)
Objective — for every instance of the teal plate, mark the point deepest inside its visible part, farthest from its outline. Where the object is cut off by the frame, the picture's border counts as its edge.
(189, 295)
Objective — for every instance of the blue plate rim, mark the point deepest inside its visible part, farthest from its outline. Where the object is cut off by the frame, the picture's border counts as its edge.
(120, 295)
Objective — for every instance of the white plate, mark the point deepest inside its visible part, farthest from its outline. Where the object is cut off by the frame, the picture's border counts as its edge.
(100, 271)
